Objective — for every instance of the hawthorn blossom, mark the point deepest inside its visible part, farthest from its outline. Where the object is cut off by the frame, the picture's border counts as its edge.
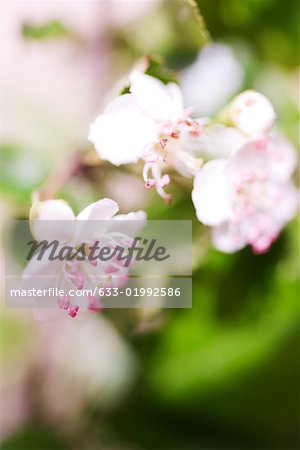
(149, 124)
(54, 220)
(252, 113)
(248, 197)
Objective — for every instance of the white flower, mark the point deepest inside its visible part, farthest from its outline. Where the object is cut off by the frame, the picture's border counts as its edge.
(151, 124)
(252, 113)
(54, 220)
(249, 197)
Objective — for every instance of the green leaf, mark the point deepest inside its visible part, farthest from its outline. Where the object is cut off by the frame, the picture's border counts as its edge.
(49, 30)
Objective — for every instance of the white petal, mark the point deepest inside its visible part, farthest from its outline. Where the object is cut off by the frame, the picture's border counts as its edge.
(129, 224)
(43, 267)
(41, 274)
(283, 158)
(219, 141)
(123, 133)
(183, 162)
(103, 209)
(42, 215)
(156, 99)
(287, 205)
(138, 215)
(90, 223)
(276, 159)
(52, 210)
(177, 99)
(228, 238)
(211, 194)
(122, 104)
(252, 113)
(249, 158)
(50, 315)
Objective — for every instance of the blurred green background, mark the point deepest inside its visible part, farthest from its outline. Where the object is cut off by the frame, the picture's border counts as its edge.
(222, 375)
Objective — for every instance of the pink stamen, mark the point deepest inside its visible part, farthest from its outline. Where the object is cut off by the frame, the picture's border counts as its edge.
(123, 280)
(186, 115)
(76, 277)
(94, 304)
(63, 302)
(111, 269)
(163, 142)
(93, 262)
(150, 183)
(167, 128)
(164, 181)
(73, 311)
(168, 199)
(175, 134)
(196, 128)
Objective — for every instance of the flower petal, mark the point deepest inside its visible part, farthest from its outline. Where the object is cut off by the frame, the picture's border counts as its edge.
(248, 159)
(89, 221)
(129, 224)
(211, 194)
(177, 99)
(123, 133)
(154, 98)
(49, 315)
(219, 141)
(138, 215)
(103, 209)
(41, 274)
(43, 267)
(283, 158)
(228, 238)
(61, 216)
(275, 158)
(287, 204)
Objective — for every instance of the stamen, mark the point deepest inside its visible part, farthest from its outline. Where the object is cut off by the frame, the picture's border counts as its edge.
(175, 134)
(163, 142)
(168, 199)
(73, 311)
(76, 277)
(63, 302)
(164, 181)
(167, 128)
(186, 115)
(196, 128)
(94, 304)
(150, 183)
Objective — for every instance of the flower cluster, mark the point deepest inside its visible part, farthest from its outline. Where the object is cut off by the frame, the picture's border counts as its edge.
(242, 170)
